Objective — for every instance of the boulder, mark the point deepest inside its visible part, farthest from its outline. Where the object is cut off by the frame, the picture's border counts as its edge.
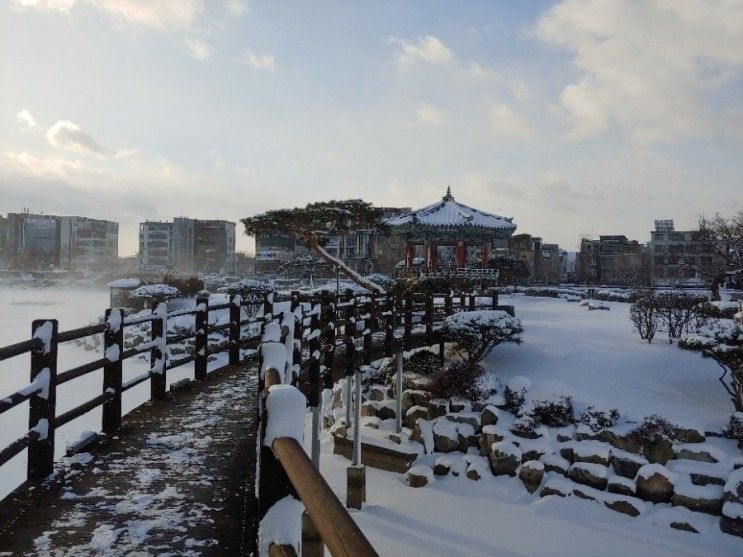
(414, 397)
(471, 418)
(620, 485)
(531, 475)
(457, 405)
(593, 452)
(685, 526)
(445, 436)
(654, 483)
(489, 415)
(413, 413)
(687, 452)
(689, 435)
(441, 468)
(659, 451)
(466, 437)
(705, 499)
(419, 476)
(505, 458)
(385, 412)
(475, 471)
(625, 463)
(368, 409)
(337, 401)
(625, 506)
(555, 463)
(556, 486)
(590, 474)
(437, 408)
(731, 521)
(377, 392)
(490, 434)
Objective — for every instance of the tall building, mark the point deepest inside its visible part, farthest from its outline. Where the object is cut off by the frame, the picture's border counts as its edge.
(155, 246)
(612, 259)
(679, 257)
(36, 241)
(187, 246)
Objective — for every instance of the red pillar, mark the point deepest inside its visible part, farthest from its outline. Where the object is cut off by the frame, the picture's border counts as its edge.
(485, 255)
(432, 255)
(461, 255)
(409, 254)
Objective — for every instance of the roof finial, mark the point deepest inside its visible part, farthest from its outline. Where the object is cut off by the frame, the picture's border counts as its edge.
(448, 196)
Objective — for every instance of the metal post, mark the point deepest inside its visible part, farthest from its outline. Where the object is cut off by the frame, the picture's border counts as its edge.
(348, 400)
(398, 394)
(314, 398)
(357, 419)
(356, 473)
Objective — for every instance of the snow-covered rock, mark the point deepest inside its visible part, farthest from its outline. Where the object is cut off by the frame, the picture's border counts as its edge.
(590, 474)
(419, 475)
(531, 474)
(505, 458)
(655, 483)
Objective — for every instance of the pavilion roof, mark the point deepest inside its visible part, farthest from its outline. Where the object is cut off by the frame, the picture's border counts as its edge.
(449, 213)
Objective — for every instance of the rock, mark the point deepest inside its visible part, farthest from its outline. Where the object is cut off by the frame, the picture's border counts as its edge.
(440, 469)
(562, 438)
(471, 418)
(385, 412)
(705, 479)
(627, 443)
(490, 434)
(685, 526)
(555, 463)
(526, 433)
(466, 437)
(625, 463)
(556, 487)
(585, 433)
(504, 458)
(415, 397)
(377, 392)
(566, 452)
(368, 409)
(692, 453)
(423, 434)
(413, 413)
(457, 405)
(590, 474)
(623, 506)
(372, 422)
(731, 521)
(419, 476)
(436, 409)
(654, 483)
(396, 438)
(531, 475)
(620, 485)
(445, 436)
(700, 499)
(473, 473)
(414, 381)
(659, 451)
(689, 435)
(337, 399)
(489, 415)
(593, 452)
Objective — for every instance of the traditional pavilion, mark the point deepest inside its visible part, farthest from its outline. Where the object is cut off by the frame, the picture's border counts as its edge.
(450, 234)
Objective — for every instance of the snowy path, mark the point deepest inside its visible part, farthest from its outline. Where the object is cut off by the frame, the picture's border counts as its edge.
(176, 481)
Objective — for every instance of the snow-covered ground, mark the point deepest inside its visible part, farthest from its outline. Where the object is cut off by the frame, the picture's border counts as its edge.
(599, 359)
(602, 361)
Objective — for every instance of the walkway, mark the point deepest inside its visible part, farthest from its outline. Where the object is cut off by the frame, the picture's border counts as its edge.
(177, 481)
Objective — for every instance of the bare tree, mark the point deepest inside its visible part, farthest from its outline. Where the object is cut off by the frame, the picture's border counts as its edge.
(644, 316)
(723, 238)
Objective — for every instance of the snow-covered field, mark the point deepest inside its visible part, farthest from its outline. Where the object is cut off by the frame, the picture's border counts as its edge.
(599, 359)
(602, 361)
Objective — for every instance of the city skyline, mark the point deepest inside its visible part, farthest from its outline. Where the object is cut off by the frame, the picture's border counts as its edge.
(569, 116)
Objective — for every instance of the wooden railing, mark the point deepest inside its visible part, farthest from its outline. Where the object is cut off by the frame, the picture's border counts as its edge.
(334, 335)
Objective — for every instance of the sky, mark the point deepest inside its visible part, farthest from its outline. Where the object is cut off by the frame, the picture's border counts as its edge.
(574, 117)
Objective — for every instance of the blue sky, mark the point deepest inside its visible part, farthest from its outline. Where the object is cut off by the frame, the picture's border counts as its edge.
(573, 117)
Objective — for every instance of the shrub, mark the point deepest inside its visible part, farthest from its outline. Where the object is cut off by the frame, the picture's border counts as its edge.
(458, 379)
(478, 332)
(423, 362)
(735, 428)
(514, 400)
(652, 428)
(677, 312)
(598, 419)
(188, 286)
(644, 316)
(555, 412)
(153, 294)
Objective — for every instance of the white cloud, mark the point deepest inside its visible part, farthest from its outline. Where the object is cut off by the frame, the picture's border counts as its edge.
(430, 114)
(237, 8)
(127, 153)
(25, 117)
(647, 66)
(40, 166)
(198, 48)
(157, 14)
(478, 71)
(68, 135)
(507, 123)
(259, 61)
(426, 49)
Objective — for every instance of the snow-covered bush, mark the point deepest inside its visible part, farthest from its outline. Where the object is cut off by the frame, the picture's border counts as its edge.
(645, 317)
(654, 428)
(252, 291)
(153, 294)
(478, 332)
(514, 399)
(186, 286)
(305, 266)
(554, 412)
(722, 340)
(381, 279)
(422, 362)
(734, 430)
(458, 379)
(598, 419)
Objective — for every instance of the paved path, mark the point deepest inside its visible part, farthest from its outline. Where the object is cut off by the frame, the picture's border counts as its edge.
(178, 480)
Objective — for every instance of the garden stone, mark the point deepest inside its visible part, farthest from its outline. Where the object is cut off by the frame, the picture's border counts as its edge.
(490, 434)
(623, 506)
(412, 415)
(377, 393)
(590, 474)
(625, 463)
(700, 499)
(436, 409)
(504, 458)
(489, 416)
(445, 436)
(620, 486)
(531, 475)
(685, 526)
(731, 521)
(689, 435)
(412, 398)
(419, 476)
(555, 463)
(654, 483)
(659, 451)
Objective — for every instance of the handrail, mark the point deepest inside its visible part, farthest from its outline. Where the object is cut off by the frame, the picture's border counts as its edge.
(20, 348)
(338, 530)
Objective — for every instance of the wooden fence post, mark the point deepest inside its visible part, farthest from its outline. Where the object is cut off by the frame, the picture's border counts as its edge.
(462, 302)
(429, 319)
(389, 325)
(42, 405)
(113, 345)
(235, 317)
(472, 298)
(201, 342)
(330, 318)
(298, 331)
(158, 363)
